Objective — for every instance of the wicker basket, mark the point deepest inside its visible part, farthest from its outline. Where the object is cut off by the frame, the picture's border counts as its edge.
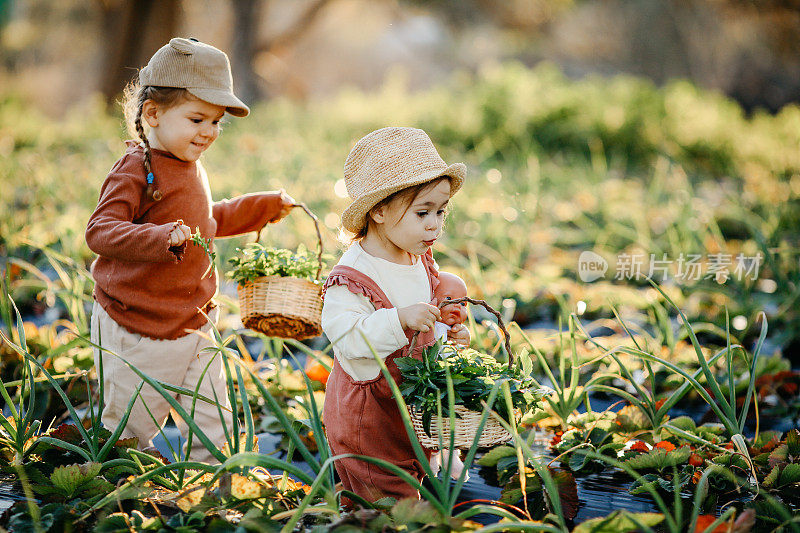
(466, 426)
(282, 306)
(466, 421)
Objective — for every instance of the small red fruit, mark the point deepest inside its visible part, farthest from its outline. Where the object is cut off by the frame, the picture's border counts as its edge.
(705, 520)
(316, 372)
(665, 445)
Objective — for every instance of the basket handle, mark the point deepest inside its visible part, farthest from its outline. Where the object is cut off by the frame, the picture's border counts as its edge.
(319, 235)
(500, 323)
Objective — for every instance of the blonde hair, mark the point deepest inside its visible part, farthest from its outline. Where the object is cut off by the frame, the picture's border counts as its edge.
(406, 196)
(134, 97)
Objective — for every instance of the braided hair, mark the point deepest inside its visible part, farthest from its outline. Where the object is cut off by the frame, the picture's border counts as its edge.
(134, 98)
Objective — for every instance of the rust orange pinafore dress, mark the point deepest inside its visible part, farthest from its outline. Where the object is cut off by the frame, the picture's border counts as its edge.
(361, 417)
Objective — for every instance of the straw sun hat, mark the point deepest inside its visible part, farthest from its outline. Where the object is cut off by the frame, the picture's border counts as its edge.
(386, 161)
(199, 68)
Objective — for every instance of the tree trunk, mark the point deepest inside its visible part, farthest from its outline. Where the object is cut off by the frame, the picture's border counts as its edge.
(246, 17)
(133, 30)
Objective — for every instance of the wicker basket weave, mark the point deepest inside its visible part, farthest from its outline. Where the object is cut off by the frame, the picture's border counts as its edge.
(466, 421)
(466, 426)
(285, 307)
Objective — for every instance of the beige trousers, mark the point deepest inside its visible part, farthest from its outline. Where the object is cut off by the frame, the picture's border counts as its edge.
(178, 362)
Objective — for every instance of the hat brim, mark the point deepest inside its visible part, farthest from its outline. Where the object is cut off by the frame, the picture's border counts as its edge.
(354, 217)
(226, 99)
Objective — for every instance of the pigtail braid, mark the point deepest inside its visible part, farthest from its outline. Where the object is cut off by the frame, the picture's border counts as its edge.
(152, 192)
(133, 104)
(140, 132)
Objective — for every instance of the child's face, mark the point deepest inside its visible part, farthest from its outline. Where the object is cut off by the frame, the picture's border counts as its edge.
(185, 130)
(415, 229)
(451, 286)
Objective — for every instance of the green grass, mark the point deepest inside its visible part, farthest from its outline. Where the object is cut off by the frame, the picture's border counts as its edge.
(555, 167)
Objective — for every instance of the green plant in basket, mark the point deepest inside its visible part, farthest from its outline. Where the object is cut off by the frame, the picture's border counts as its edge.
(256, 260)
(474, 374)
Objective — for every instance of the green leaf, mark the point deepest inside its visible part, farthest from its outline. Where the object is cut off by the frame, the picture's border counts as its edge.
(50, 514)
(658, 459)
(526, 364)
(597, 436)
(611, 449)
(507, 468)
(779, 455)
(95, 487)
(577, 461)
(641, 484)
(772, 477)
(683, 422)
(411, 511)
(495, 454)
(121, 523)
(631, 419)
(768, 512)
(70, 478)
(532, 416)
(793, 442)
(619, 521)
(766, 437)
(790, 474)
(113, 523)
(731, 460)
(510, 496)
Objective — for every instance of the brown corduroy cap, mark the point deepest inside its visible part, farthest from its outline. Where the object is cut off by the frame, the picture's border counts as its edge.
(386, 161)
(199, 68)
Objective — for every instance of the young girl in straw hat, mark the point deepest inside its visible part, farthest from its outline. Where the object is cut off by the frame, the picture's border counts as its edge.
(151, 291)
(381, 293)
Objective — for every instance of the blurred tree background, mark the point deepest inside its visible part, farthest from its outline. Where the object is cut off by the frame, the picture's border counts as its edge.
(60, 52)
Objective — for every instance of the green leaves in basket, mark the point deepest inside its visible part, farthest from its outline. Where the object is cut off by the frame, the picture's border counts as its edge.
(255, 260)
(473, 374)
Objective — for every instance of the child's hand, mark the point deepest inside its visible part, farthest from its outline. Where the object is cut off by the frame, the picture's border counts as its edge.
(459, 334)
(180, 234)
(287, 203)
(419, 317)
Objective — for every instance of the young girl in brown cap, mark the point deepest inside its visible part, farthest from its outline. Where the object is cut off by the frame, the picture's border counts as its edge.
(378, 295)
(150, 287)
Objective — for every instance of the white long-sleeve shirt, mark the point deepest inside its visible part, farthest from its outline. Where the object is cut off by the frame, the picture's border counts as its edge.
(353, 324)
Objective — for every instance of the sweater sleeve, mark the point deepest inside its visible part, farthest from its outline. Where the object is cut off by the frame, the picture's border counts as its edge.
(112, 233)
(249, 212)
(353, 325)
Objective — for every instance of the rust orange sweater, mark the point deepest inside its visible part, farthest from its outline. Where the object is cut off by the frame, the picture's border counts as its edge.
(144, 285)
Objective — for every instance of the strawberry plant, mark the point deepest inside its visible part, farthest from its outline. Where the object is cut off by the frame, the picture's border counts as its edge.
(579, 440)
(783, 465)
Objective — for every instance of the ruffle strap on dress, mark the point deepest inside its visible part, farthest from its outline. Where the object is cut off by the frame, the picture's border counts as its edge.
(358, 283)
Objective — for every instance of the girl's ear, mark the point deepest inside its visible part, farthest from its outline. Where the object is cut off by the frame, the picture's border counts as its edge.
(150, 113)
(378, 214)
